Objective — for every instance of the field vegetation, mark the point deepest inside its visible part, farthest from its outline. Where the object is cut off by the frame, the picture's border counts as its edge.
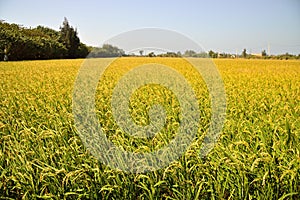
(256, 157)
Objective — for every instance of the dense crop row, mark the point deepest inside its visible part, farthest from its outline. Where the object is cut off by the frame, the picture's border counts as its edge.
(257, 156)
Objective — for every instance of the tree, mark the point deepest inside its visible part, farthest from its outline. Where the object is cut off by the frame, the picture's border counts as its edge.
(21, 43)
(189, 53)
(244, 53)
(141, 52)
(212, 54)
(263, 53)
(106, 50)
(151, 54)
(69, 38)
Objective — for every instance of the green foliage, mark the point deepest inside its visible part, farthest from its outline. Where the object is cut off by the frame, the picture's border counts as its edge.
(192, 53)
(244, 53)
(106, 51)
(169, 54)
(189, 53)
(68, 36)
(37, 43)
(151, 54)
(287, 56)
(212, 54)
(141, 52)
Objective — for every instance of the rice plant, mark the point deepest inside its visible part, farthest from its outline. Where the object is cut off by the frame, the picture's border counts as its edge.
(256, 157)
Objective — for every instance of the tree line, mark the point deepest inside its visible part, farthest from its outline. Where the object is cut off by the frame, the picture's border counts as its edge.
(21, 43)
(211, 54)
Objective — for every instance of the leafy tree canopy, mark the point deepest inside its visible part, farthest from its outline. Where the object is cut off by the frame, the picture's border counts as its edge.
(20, 43)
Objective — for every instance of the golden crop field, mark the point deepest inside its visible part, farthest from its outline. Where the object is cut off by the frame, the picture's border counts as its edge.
(256, 157)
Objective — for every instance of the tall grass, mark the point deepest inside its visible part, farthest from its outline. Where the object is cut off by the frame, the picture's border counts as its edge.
(257, 156)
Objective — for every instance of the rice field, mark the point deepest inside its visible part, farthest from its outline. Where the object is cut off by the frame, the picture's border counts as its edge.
(256, 157)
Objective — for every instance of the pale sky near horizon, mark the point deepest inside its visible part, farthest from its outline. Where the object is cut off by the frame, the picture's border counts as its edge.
(223, 26)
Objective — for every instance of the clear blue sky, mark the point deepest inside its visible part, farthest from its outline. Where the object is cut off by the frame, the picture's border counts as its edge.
(220, 25)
